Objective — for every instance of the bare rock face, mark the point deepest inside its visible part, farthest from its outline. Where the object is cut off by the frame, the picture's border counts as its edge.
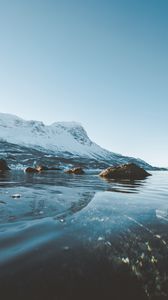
(3, 165)
(77, 171)
(127, 171)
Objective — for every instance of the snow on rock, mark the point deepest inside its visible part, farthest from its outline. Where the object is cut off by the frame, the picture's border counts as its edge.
(60, 139)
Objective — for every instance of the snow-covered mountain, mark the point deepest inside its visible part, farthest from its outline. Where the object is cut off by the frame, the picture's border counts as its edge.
(58, 137)
(61, 139)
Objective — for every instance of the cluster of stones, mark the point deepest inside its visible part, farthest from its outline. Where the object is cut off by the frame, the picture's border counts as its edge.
(77, 171)
(126, 171)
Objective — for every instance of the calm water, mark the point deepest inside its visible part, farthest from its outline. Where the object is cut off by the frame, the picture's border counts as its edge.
(78, 237)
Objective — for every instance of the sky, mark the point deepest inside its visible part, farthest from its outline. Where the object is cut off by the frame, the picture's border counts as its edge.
(103, 63)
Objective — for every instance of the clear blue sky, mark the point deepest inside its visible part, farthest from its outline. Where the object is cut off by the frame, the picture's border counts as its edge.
(102, 63)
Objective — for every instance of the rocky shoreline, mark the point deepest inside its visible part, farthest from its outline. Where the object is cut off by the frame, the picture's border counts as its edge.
(129, 171)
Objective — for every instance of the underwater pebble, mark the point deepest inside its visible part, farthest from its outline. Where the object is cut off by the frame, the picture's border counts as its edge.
(153, 260)
(108, 243)
(62, 220)
(15, 196)
(2, 202)
(100, 238)
(148, 247)
(66, 248)
(125, 260)
(158, 236)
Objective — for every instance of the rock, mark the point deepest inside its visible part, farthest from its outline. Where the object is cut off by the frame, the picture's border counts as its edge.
(31, 170)
(16, 196)
(77, 171)
(3, 165)
(127, 171)
(2, 202)
(41, 168)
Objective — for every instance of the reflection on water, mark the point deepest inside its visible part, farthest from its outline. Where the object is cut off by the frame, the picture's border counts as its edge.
(91, 235)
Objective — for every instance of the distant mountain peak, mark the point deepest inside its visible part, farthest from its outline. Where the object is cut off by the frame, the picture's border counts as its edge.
(76, 130)
(59, 138)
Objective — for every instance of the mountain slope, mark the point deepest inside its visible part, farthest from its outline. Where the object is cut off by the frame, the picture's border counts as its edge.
(61, 139)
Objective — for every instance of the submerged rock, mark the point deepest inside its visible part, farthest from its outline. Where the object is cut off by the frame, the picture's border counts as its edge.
(2, 202)
(3, 165)
(127, 171)
(16, 196)
(77, 171)
(39, 169)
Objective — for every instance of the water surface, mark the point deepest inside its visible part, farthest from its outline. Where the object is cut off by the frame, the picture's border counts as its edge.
(76, 237)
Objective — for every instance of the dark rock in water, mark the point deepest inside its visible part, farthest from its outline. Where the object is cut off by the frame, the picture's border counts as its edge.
(16, 196)
(31, 170)
(127, 171)
(41, 168)
(2, 202)
(77, 171)
(3, 165)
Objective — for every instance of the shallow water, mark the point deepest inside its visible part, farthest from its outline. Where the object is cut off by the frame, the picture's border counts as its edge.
(76, 237)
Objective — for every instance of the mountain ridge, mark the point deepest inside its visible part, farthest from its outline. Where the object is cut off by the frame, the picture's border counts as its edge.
(60, 139)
